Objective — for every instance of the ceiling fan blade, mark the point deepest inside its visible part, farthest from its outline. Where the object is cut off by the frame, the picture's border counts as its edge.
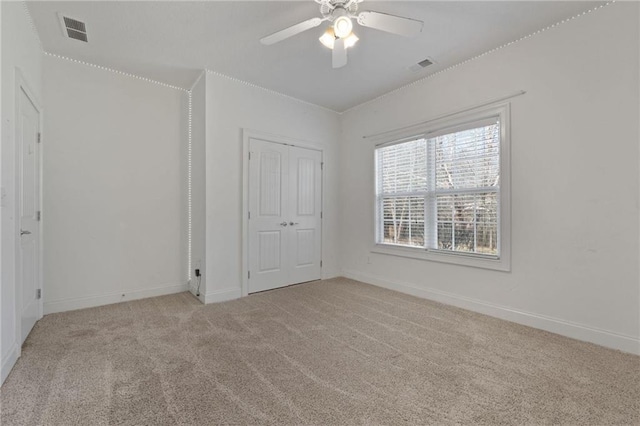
(291, 31)
(390, 23)
(339, 55)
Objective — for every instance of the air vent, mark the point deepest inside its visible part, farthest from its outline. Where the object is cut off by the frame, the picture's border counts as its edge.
(78, 35)
(73, 24)
(73, 28)
(422, 64)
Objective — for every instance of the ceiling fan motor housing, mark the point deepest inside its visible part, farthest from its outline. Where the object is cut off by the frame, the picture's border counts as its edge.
(342, 24)
(332, 9)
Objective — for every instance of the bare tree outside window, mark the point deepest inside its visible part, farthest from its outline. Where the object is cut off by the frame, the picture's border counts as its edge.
(442, 193)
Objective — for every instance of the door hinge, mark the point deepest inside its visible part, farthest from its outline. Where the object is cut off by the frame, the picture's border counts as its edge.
(249, 275)
(38, 215)
(39, 137)
(320, 215)
(248, 215)
(321, 263)
(38, 293)
(322, 166)
(249, 155)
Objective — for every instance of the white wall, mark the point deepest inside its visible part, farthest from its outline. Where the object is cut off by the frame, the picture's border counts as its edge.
(198, 182)
(231, 107)
(114, 202)
(574, 181)
(20, 49)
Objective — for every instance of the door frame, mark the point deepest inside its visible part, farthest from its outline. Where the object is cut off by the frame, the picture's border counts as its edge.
(248, 134)
(21, 85)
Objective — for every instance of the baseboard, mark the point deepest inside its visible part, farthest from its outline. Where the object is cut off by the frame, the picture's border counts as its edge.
(222, 295)
(107, 299)
(582, 332)
(8, 363)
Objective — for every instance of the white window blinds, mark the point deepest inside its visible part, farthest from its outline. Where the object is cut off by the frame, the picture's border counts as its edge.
(440, 191)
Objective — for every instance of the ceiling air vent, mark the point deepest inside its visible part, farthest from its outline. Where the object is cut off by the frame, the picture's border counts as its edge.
(422, 64)
(73, 28)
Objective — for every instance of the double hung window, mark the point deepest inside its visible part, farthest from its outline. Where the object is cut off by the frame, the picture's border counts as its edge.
(441, 190)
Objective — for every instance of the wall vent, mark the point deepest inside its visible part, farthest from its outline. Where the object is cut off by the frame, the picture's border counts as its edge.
(73, 28)
(422, 64)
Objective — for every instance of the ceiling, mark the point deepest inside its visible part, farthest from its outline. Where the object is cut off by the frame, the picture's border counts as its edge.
(173, 41)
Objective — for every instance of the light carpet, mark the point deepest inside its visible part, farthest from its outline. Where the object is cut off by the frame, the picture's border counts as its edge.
(330, 352)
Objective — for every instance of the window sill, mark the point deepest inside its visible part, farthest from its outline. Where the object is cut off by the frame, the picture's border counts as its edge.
(476, 261)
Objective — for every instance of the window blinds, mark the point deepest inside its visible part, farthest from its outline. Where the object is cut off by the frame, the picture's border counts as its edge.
(441, 191)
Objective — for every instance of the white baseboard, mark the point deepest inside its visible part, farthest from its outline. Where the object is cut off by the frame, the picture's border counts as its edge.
(107, 299)
(222, 295)
(582, 332)
(8, 362)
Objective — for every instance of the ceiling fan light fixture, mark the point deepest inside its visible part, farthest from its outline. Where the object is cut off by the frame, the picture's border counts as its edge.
(350, 40)
(339, 36)
(328, 39)
(342, 26)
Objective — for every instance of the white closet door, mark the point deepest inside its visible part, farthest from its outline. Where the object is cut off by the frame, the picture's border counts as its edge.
(268, 223)
(285, 195)
(305, 200)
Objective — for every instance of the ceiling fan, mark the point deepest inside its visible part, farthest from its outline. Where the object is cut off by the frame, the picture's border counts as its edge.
(339, 36)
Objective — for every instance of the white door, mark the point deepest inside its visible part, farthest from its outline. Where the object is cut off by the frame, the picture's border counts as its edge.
(285, 227)
(305, 224)
(28, 128)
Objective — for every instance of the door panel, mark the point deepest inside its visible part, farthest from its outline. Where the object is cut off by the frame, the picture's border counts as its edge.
(305, 207)
(270, 183)
(30, 309)
(285, 189)
(304, 247)
(268, 188)
(305, 168)
(269, 250)
(28, 207)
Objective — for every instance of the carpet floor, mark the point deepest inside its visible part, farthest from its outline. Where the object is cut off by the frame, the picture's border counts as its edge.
(330, 352)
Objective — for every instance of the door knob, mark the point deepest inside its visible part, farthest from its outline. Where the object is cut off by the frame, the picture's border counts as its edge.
(293, 223)
(283, 224)
(24, 232)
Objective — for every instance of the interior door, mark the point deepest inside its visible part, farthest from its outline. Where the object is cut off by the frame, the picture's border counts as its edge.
(28, 128)
(285, 194)
(268, 201)
(305, 200)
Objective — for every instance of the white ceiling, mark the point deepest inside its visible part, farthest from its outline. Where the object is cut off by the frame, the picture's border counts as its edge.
(173, 41)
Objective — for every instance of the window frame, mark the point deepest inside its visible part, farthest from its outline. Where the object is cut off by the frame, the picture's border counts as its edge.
(435, 128)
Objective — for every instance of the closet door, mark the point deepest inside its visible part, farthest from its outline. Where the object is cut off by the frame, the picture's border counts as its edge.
(268, 221)
(285, 185)
(305, 224)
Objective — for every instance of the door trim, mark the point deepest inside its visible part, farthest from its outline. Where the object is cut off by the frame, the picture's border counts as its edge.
(21, 85)
(248, 134)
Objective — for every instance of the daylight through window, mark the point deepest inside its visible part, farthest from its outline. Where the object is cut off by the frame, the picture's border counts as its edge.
(441, 190)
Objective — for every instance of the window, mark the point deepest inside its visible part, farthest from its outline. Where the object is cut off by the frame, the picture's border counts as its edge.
(440, 192)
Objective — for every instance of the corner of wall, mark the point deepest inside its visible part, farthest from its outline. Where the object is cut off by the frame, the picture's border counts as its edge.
(197, 185)
(222, 295)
